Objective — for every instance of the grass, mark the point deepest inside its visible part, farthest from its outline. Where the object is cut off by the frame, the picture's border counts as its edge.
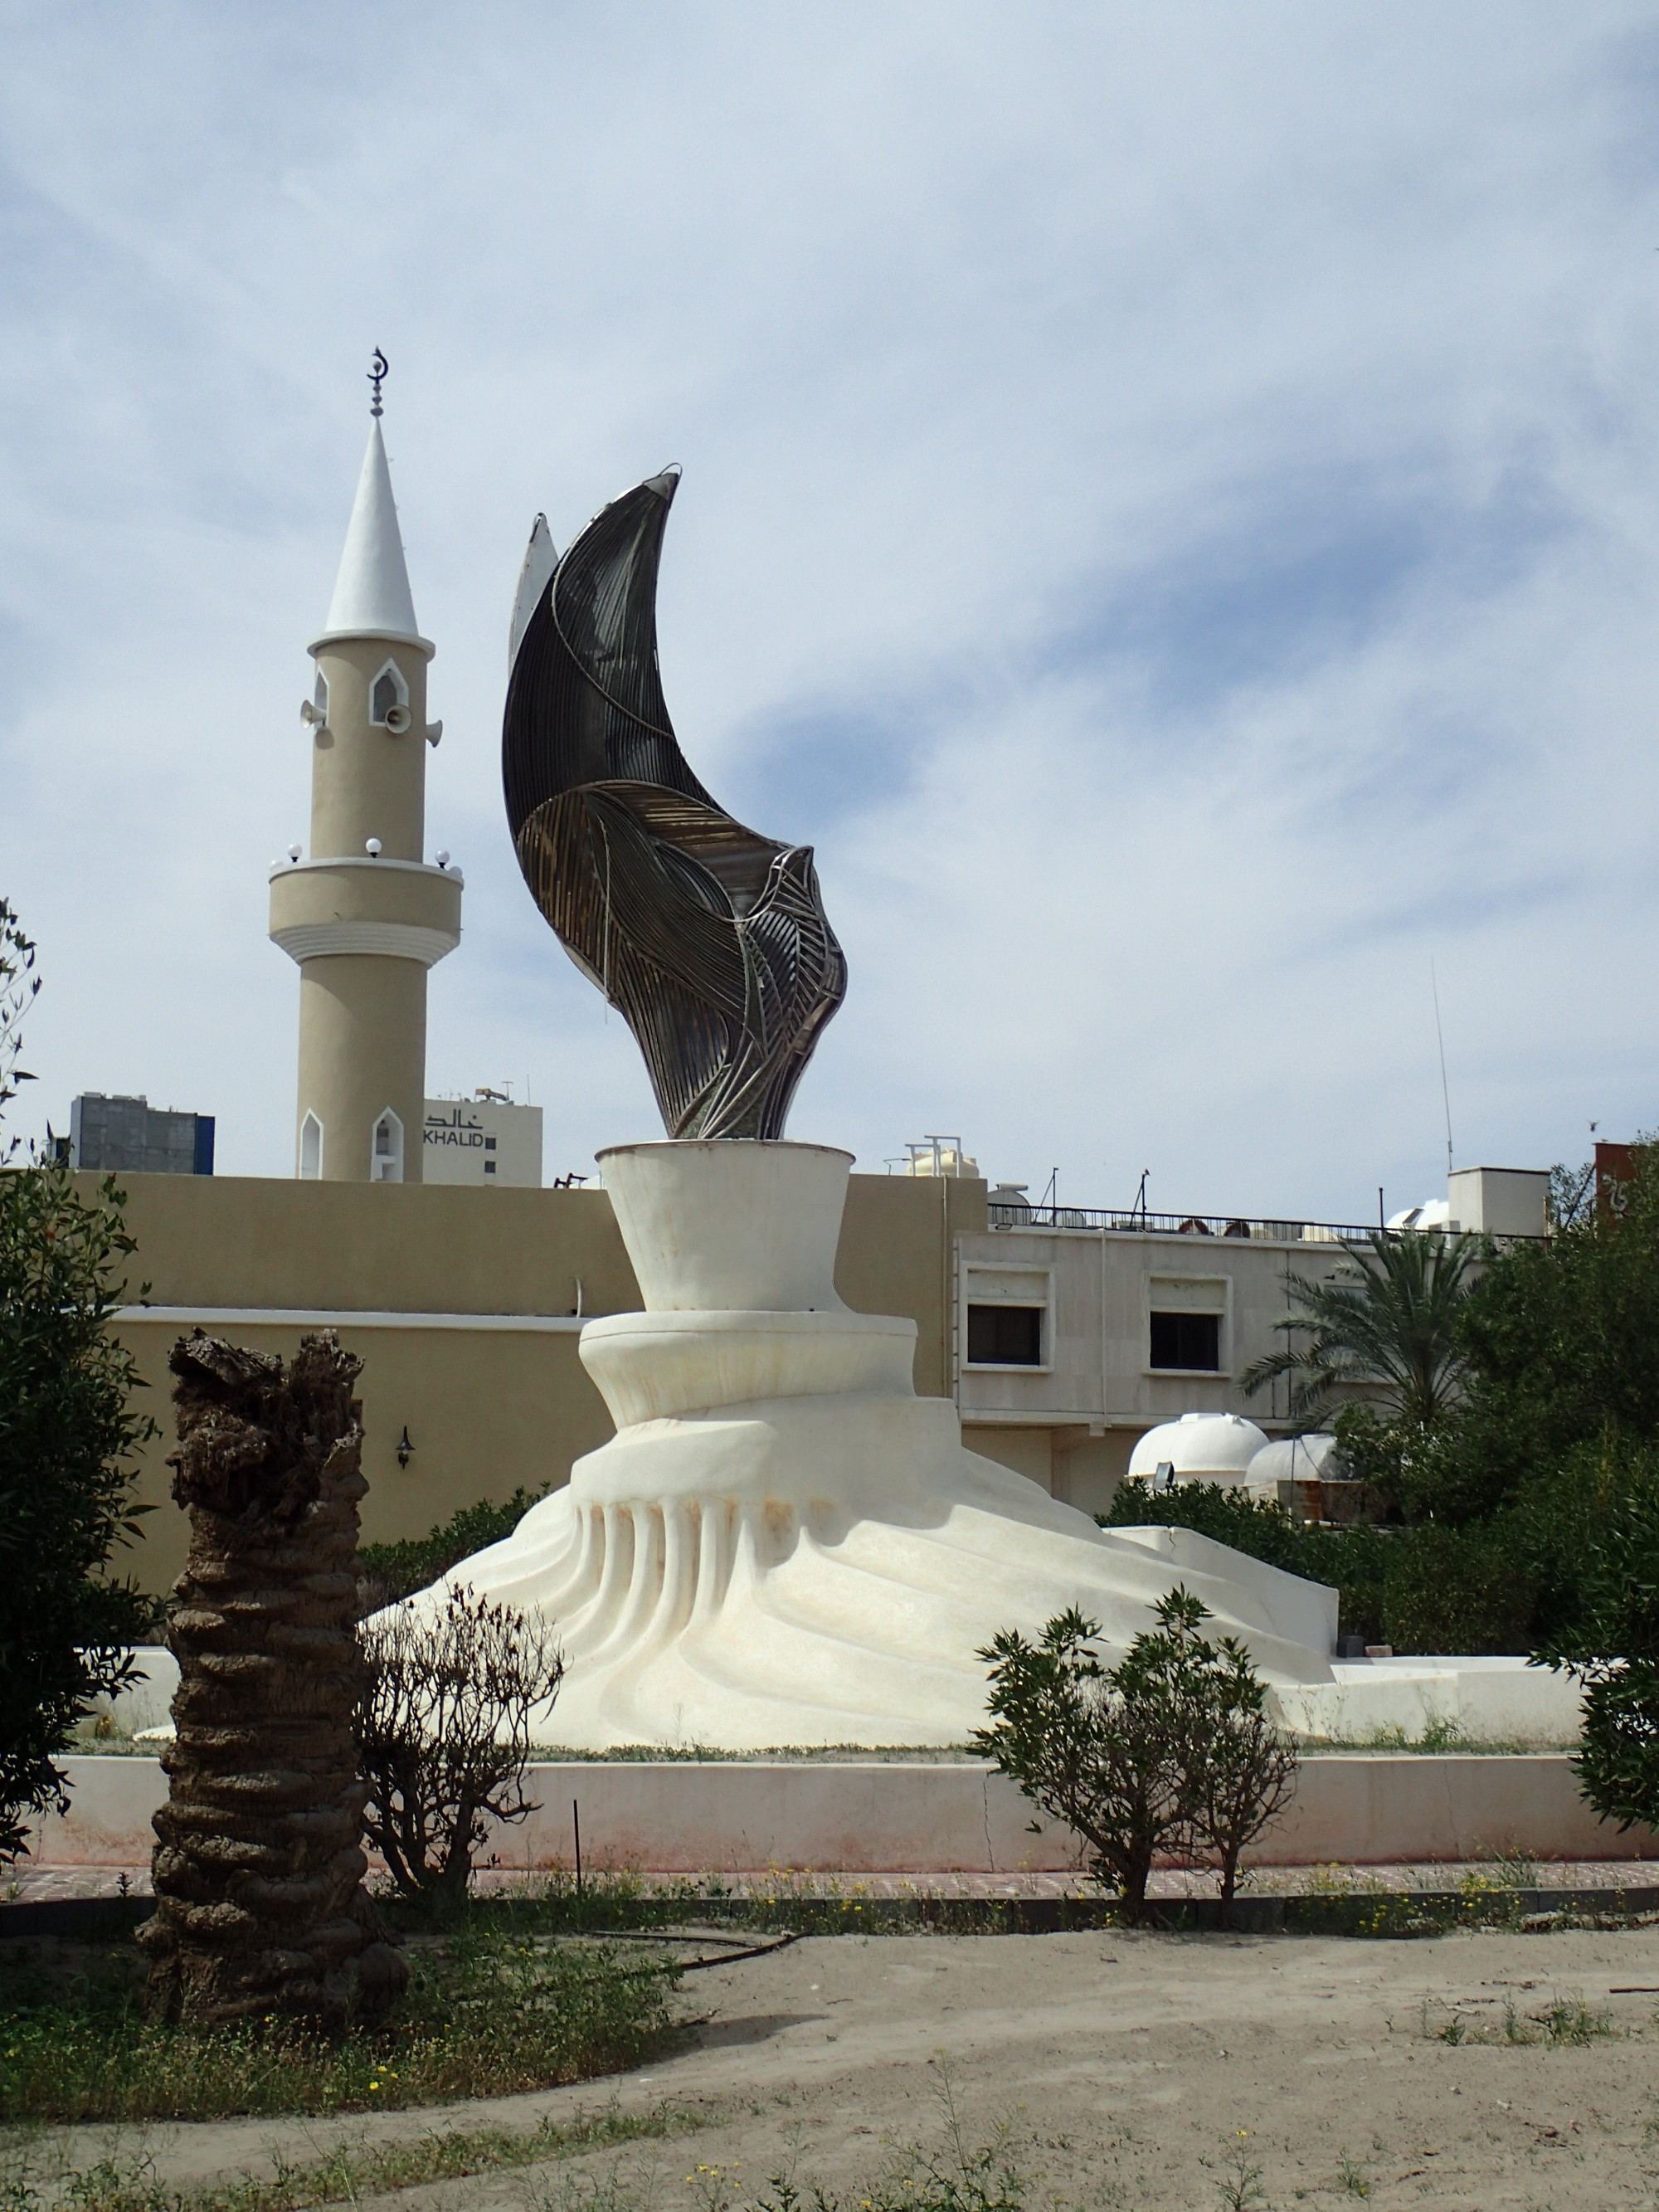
(1352, 2177)
(345, 2176)
(1564, 2021)
(487, 2013)
(1439, 1736)
(781, 1901)
(705, 1754)
(955, 2174)
(1329, 1900)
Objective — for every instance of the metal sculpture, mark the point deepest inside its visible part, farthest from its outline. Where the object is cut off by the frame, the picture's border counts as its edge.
(710, 939)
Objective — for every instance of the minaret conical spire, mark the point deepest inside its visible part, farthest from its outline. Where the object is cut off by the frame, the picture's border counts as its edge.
(366, 915)
(371, 598)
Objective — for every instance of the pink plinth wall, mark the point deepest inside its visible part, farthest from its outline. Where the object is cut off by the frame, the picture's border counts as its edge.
(888, 1816)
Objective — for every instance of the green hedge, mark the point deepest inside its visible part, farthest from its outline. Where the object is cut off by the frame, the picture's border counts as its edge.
(393, 1570)
(1430, 1589)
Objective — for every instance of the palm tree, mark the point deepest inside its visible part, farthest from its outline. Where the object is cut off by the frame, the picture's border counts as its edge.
(1397, 1325)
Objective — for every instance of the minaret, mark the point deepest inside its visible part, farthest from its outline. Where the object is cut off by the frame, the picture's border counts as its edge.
(365, 916)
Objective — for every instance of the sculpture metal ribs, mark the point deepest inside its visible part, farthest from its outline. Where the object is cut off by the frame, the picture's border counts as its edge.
(710, 939)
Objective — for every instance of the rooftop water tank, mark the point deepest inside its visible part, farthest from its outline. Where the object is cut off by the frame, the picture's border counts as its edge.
(1297, 1459)
(1199, 1447)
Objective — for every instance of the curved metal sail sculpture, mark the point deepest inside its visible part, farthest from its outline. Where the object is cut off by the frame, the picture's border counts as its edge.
(710, 939)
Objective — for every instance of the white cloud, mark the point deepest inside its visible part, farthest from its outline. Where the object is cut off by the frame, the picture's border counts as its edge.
(1169, 512)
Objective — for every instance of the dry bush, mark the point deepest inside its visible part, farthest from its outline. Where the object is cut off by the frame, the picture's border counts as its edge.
(443, 1732)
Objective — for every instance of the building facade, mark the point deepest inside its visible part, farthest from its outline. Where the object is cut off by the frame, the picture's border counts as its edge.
(122, 1136)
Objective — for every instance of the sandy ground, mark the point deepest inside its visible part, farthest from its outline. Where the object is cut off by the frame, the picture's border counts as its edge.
(1125, 2066)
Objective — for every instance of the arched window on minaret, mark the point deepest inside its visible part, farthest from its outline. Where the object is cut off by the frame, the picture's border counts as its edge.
(386, 1159)
(388, 694)
(310, 1149)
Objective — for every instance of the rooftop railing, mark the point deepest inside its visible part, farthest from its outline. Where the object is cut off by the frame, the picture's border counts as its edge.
(1137, 1223)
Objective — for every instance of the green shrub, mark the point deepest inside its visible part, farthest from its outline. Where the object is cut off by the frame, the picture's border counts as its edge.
(1350, 1561)
(1428, 1588)
(1612, 1644)
(1448, 1589)
(1260, 1526)
(395, 1571)
(1170, 1750)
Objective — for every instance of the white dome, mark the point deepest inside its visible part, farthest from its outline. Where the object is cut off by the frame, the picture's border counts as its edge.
(1296, 1458)
(1433, 1214)
(1201, 1446)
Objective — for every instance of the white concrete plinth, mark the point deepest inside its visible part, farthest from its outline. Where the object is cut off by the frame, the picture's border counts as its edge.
(861, 1816)
(783, 1544)
(1470, 1700)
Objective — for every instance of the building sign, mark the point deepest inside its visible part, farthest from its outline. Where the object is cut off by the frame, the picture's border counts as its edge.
(487, 1142)
(1615, 1171)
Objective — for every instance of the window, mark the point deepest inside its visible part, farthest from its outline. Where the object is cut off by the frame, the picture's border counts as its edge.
(387, 1158)
(1006, 1317)
(1186, 1339)
(310, 1149)
(386, 695)
(1005, 1336)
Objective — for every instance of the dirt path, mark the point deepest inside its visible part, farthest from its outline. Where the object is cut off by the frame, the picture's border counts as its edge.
(1127, 2065)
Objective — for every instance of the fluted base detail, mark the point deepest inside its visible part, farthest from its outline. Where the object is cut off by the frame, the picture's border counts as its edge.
(824, 1571)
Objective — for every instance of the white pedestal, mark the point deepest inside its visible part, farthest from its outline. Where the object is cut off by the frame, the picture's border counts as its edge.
(783, 1544)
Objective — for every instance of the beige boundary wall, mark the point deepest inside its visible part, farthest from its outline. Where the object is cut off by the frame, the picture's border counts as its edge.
(895, 1816)
(464, 1306)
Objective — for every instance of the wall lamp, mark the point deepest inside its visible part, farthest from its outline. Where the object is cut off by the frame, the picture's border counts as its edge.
(405, 1449)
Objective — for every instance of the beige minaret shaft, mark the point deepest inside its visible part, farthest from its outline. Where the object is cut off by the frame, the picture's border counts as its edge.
(365, 916)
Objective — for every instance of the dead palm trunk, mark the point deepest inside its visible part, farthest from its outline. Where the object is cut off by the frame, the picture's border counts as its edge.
(258, 1871)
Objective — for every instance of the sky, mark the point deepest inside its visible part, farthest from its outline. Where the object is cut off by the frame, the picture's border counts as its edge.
(1170, 514)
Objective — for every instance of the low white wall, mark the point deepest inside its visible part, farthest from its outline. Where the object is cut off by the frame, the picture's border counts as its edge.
(1484, 1700)
(868, 1816)
(146, 1702)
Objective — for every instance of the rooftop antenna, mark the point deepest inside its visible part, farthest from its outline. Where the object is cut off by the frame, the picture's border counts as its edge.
(378, 369)
(1440, 1037)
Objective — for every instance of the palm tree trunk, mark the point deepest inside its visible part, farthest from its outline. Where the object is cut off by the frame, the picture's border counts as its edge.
(258, 1866)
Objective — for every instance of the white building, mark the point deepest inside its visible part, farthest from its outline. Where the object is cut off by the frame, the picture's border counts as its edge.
(488, 1142)
(1077, 1329)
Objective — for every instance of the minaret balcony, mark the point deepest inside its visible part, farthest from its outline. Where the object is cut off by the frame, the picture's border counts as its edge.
(404, 909)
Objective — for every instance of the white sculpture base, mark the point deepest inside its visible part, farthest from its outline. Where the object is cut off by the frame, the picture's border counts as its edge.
(783, 1544)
